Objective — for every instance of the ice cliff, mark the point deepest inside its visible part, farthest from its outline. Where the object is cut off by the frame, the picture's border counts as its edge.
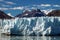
(31, 26)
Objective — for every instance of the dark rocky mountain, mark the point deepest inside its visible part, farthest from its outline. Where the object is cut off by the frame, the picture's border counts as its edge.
(4, 15)
(32, 13)
(54, 13)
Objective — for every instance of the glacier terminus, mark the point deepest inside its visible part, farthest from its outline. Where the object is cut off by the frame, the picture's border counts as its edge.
(31, 26)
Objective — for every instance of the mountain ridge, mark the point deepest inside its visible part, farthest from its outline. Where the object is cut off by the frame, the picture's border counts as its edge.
(54, 13)
(4, 15)
(32, 13)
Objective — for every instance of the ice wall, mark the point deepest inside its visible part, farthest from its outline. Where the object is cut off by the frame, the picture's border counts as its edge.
(32, 26)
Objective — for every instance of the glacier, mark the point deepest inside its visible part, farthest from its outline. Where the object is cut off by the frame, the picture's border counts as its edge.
(31, 26)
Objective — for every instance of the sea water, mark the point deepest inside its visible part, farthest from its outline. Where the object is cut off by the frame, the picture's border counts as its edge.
(29, 37)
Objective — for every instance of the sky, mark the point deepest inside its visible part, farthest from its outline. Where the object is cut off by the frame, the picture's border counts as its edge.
(15, 7)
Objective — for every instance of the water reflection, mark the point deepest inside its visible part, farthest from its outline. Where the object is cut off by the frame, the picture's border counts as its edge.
(29, 37)
(4, 37)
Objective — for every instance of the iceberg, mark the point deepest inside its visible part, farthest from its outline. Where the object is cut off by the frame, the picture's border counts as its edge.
(31, 26)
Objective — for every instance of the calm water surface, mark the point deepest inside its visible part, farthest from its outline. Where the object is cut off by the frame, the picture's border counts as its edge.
(4, 37)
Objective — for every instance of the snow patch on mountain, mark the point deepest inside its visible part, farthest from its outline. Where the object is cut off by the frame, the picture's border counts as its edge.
(10, 14)
(47, 11)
